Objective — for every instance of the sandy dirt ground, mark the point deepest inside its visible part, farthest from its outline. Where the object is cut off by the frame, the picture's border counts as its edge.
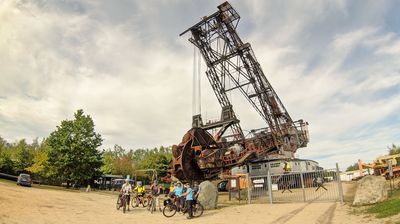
(41, 206)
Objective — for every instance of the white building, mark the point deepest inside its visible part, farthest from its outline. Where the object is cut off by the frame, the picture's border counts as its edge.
(350, 175)
(276, 167)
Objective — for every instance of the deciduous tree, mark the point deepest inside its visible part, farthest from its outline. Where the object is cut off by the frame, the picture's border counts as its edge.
(73, 149)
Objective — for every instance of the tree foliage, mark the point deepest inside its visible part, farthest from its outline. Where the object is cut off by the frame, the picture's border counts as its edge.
(393, 149)
(70, 155)
(125, 162)
(352, 167)
(73, 149)
(15, 157)
(117, 161)
(6, 164)
(23, 156)
(40, 165)
(156, 158)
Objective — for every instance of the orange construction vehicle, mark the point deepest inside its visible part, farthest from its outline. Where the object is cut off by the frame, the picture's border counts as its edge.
(380, 165)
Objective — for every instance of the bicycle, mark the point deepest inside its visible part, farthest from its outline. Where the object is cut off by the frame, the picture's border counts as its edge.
(197, 209)
(121, 202)
(152, 203)
(118, 205)
(170, 208)
(137, 200)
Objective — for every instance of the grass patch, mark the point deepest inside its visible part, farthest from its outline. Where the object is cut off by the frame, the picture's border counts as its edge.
(387, 208)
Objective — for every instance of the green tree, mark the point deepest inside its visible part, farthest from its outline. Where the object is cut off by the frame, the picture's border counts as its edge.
(124, 165)
(6, 163)
(41, 166)
(40, 161)
(3, 143)
(352, 167)
(122, 162)
(108, 162)
(23, 156)
(157, 159)
(138, 155)
(393, 149)
(73, 149)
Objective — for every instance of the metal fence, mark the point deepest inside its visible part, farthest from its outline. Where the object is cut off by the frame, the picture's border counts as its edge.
(320, 185)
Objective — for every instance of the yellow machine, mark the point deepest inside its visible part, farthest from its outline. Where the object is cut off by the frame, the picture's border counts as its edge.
(380, 165)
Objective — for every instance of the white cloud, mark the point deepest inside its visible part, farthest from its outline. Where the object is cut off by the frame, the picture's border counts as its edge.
(393, 48)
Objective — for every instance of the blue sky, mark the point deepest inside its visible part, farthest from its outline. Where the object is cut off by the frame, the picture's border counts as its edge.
(335, 64)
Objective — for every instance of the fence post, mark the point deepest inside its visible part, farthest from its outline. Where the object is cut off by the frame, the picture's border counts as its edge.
(302, 184)
(230, 189)
(339, 182)
(269, 185)
(248, 189)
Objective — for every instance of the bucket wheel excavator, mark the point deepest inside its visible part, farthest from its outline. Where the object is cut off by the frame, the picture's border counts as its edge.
(202, 155)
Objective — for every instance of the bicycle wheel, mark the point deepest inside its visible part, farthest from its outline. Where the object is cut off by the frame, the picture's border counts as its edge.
(124, 205)
(118, 205)
(145, 202)
(149, 205)
(197, 210)
(169, 210)
(133, 202)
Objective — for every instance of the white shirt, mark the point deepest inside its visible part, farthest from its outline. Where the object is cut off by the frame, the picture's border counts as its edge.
(126, 188)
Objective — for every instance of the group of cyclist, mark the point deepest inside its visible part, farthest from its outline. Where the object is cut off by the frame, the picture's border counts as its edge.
(126, 190)
(185, 195)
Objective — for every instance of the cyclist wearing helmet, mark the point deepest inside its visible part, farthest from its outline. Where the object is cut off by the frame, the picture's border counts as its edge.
(126, 190)
(140, 190)
(155, 192)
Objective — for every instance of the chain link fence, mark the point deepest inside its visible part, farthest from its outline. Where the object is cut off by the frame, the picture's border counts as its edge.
(320, 185)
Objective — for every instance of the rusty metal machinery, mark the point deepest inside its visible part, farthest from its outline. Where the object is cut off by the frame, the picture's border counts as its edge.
(200, 155)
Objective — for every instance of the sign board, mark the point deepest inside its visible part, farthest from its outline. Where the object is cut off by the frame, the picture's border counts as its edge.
(258, 181)
(390, 168)
(233, 183)
(258, 185)
(274, 187)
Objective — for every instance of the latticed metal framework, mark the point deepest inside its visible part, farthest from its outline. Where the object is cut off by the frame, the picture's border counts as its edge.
(232, 65)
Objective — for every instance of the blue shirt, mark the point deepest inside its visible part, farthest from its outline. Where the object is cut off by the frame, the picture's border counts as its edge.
(189, 195)
(178, 191)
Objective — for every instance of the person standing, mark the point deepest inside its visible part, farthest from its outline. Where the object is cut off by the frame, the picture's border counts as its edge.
(287, 167)
(126, 190)
(171, 188)
(189, 200)
(155, 192)
(178, 191)
(196, 190)
(140, 191)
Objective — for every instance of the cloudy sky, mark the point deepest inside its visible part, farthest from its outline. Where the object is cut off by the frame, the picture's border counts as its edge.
(335, 64)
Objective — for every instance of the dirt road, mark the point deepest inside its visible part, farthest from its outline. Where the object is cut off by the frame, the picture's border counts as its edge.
(41, 206)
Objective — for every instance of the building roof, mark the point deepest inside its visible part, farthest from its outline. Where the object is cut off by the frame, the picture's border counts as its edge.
(112, 176)
(280, 159)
